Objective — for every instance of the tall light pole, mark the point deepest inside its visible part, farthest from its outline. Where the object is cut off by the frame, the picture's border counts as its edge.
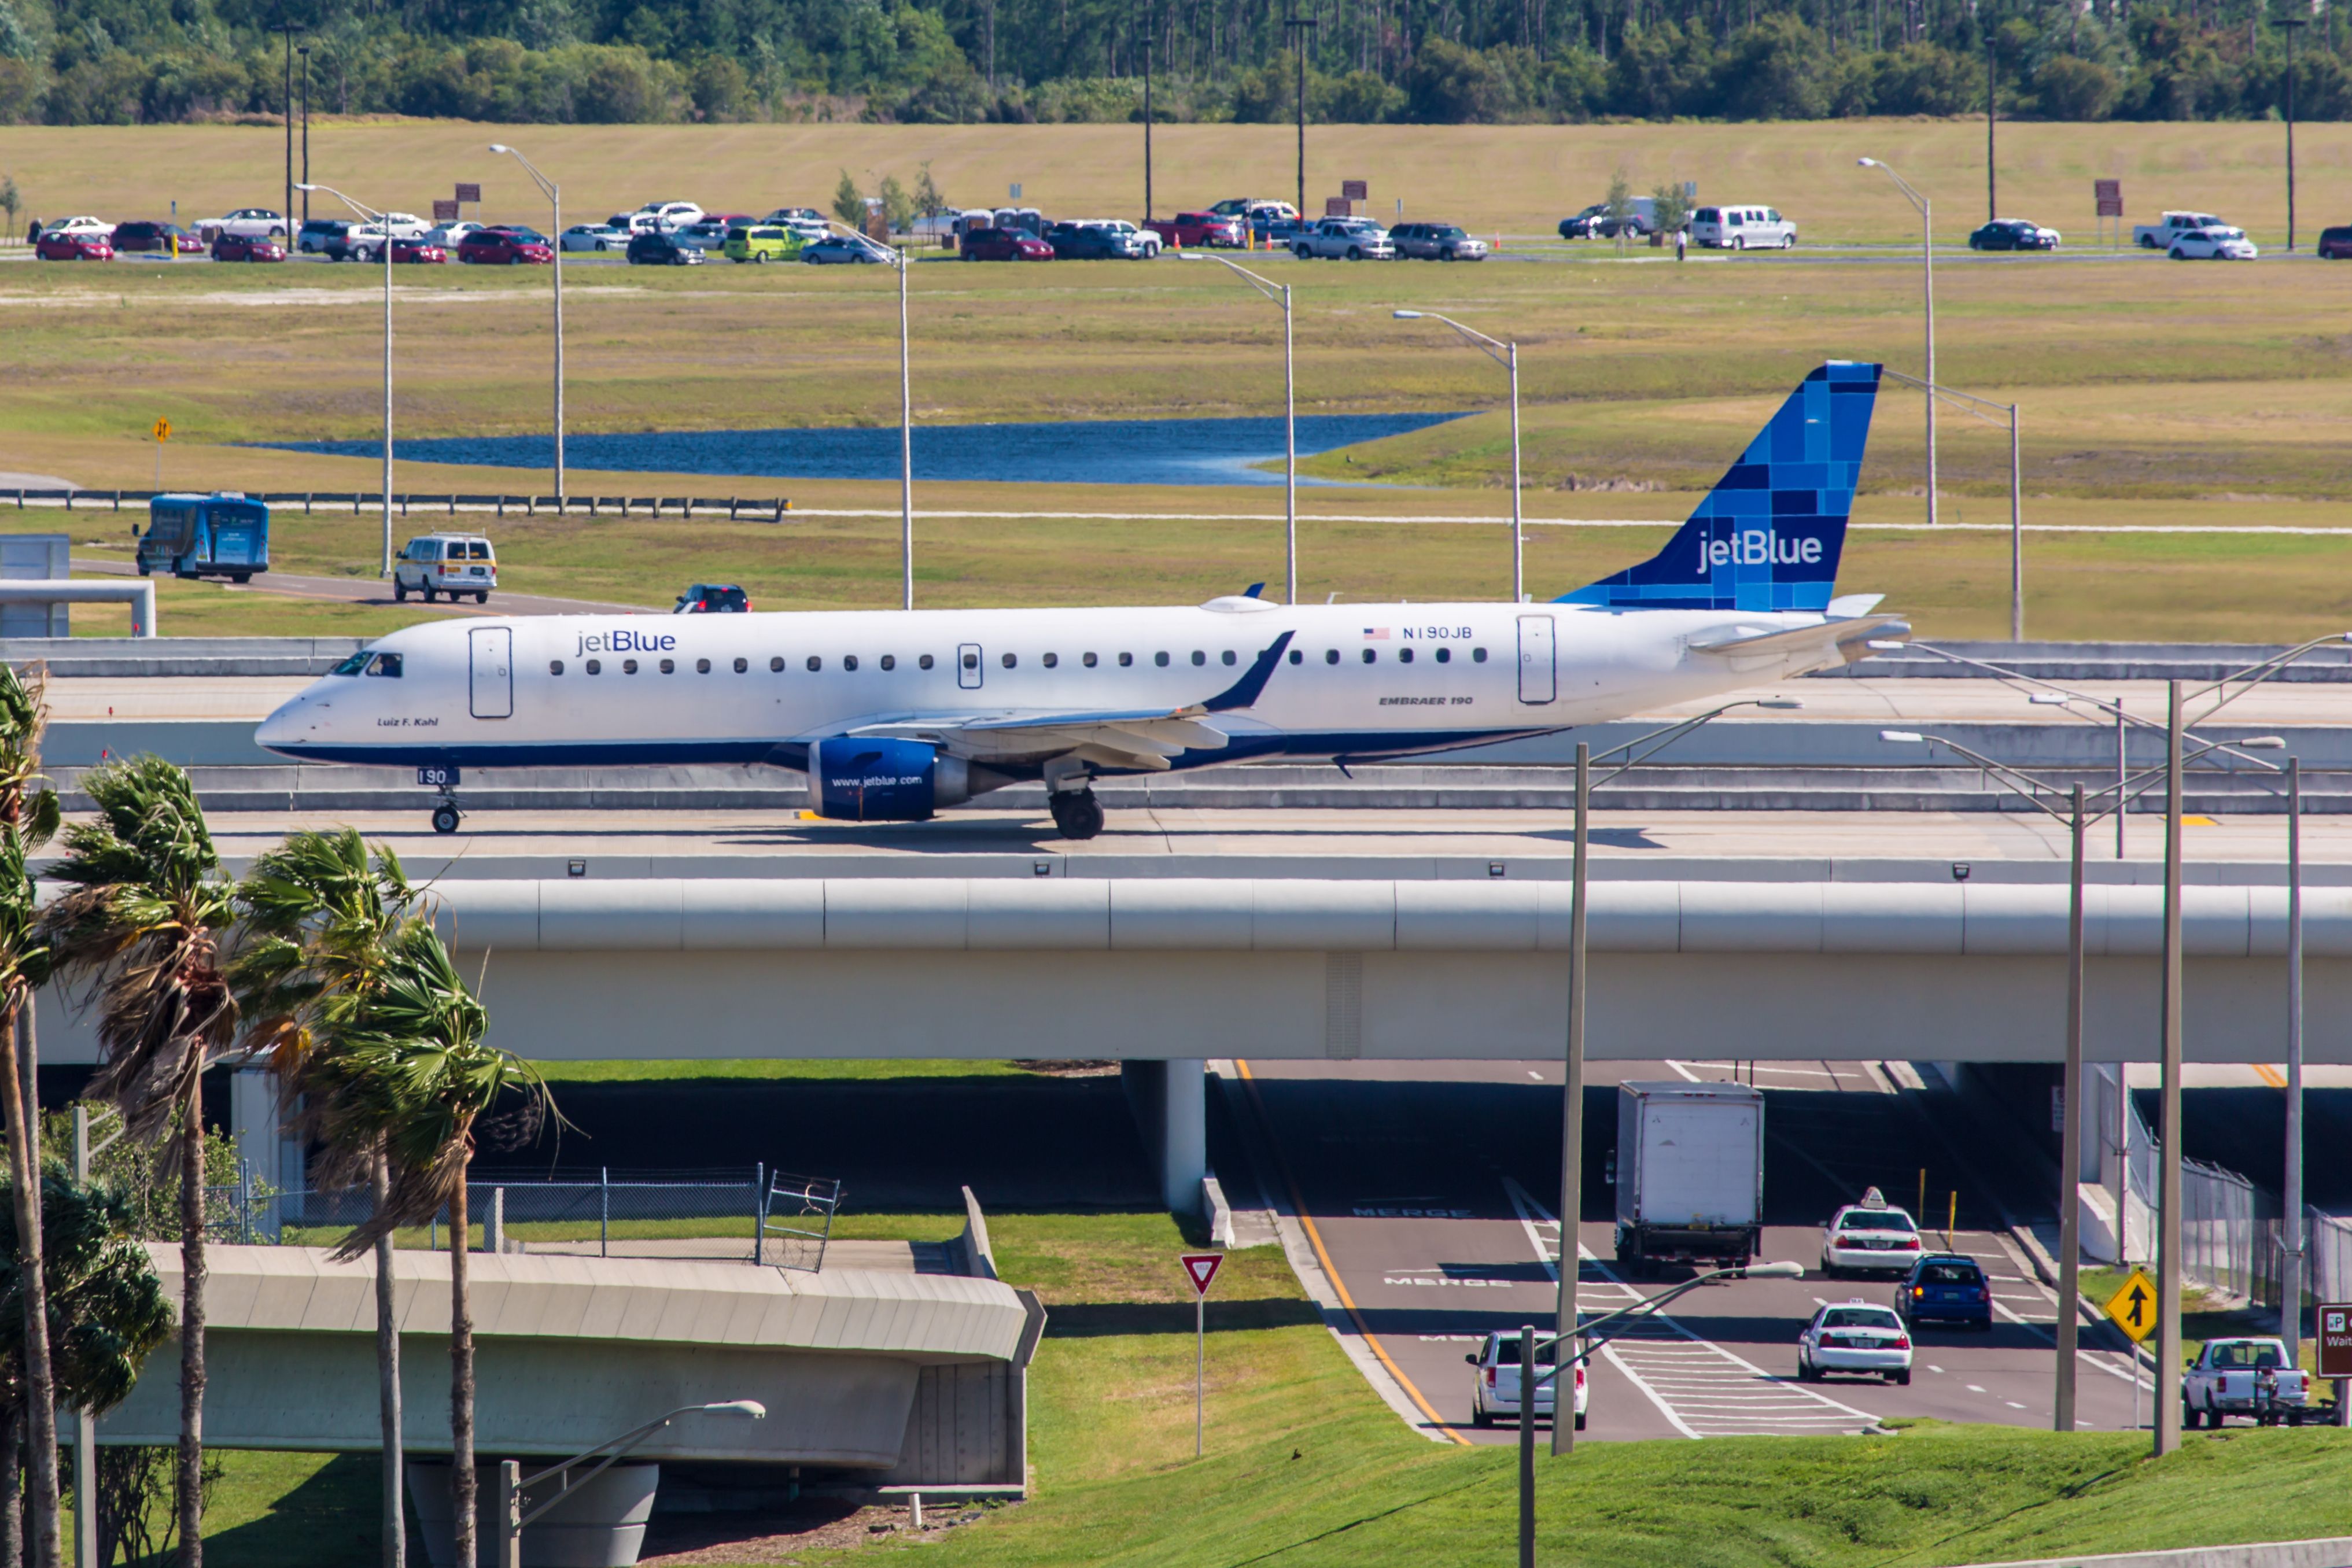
(1299, 30)
(1507, 356)
(2165, 1416)
(1571, 1113)
(899, 259)
(2291, 1265)
(305, 52)
(383, 244)
(1280, 294)
(554, 194)
(2293, 24)
(1928, 270)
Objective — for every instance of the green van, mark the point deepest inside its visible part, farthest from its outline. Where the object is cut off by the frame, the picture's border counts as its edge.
(761, 243)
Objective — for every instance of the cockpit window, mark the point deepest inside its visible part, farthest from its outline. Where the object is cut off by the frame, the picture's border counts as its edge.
(352, 666)
(386, 665)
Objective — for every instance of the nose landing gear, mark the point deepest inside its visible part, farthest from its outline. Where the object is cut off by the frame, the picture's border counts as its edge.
(442, 778)
(445, 817)
(1076, 813)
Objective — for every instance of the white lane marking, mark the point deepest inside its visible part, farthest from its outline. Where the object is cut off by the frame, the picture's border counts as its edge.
(1534, 1074)
(1702, 1388)
(1685, 1071)
(2012, 1404)
(1937, 1370)
(2104, 1361)
(1973, 1388)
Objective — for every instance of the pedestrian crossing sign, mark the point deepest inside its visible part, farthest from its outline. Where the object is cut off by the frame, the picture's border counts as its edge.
(2133, 1307)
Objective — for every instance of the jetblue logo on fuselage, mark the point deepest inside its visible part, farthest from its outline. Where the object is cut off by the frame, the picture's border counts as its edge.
(625, 642)
(1757, 547)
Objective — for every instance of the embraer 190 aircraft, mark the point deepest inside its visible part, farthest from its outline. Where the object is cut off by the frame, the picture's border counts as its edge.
(893, 714)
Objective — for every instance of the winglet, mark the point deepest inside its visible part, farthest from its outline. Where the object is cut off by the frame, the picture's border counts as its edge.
(1244, 692)
(1252, 590)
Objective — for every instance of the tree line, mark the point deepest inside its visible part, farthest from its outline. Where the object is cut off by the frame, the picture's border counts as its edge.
(323, 963)
(76, 62)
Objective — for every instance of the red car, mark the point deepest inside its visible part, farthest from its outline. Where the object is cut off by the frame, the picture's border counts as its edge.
(78, 246)
(1198, 229)
(1005, 244)
(502, 247)
(248, 247)
(416, 250)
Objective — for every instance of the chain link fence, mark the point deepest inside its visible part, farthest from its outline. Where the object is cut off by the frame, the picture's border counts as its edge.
(751, 1214)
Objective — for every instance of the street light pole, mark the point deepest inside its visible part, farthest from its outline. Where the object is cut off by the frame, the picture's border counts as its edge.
(1507, 356)
(1927, 270)
(554, 194)
(899, 259)
(2165, 1416)
(1280, 294)
(1572, 1112)
(305, 52)
(2016, 538)
(2293, 24)
(2069, 1147)
(1299, 30)
(2291, 1265)
(383, 244)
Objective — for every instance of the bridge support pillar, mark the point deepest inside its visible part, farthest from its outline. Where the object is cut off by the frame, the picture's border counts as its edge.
(256, 1128)
(1169, 1100)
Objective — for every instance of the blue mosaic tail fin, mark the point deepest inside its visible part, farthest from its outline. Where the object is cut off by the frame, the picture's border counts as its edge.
(1768, 536)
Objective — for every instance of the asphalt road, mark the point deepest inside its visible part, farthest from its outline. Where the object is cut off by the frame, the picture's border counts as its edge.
(1423, 1184)
(372, 590)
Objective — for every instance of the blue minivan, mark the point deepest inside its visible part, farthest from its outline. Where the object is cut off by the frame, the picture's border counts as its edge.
(223, 534)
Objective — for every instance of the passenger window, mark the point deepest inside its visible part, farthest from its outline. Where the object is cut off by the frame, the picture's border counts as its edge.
(670, 666)
(456, 551)
(1009, 659)
(1229, 655)
(1445, 655)
(1477, 655)
(595, 667)
(1088, 659)
(971, 660)
(555, 666)
(1405, 655)
(1199, 658)
(889, 661)
(1125, 660)
(628, 666)
(814, 663)
(742, 666)
(849, 662)
(1052, 660)
(479, 550)
(1160, 660)
(702, 666)
(1330, 655)
(1371, 655)
(386, 665)
(775, 665)
(924, 663)
(1297, 657)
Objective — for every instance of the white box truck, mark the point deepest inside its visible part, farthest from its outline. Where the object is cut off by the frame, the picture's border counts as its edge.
(1690, 1174)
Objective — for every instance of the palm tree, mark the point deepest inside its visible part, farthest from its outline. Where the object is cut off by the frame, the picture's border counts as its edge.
(140, 931)
(412, 1062)
(28, 818)
(319, 918)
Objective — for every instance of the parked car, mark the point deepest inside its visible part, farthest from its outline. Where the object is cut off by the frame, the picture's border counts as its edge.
(1870, 1237)
(1147, 241)
(2212, 245)
(248, 247)
(647, 249)
(1356, 239)
(595, 236)
(450, 235)
(705, 233)
(1005, 244)
(1436, 242)
(1255, 210)
(417, 252)
(835, 250)
(2159, 234)
(1946, 1288)
(446, 563)
(1215, 231)
(312, 237)
(141, 237)
(2248, 1377)
(659, 218)
(1494, 1384)
(357, 242)
(503, 247)
(795, 215)
(1276, 233)
(1742, 228)
(81, 225)
(1075, 242)
(1855, 1336)
(249, 221)
(762, 243)
(67, 246)
(2014, 234)
(1594, 222)
(2335, 244)
(713, 599)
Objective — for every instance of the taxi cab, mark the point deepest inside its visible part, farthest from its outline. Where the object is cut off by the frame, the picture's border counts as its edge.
(1869, 1236)
(1855, 1336)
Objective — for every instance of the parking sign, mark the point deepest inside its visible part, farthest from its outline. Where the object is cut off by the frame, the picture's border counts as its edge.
(2335, 1340)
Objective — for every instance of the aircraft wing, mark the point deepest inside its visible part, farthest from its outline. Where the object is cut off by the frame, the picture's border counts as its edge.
(1144, 738)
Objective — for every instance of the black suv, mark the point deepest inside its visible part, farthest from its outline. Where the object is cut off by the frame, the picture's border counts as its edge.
(2335, 244)
(713, 599)
(651, 249)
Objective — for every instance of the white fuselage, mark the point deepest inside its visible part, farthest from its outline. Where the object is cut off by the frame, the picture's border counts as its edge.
(1355, 680)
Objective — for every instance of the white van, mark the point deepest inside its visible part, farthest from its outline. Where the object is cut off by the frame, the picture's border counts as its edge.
(1742, 228)
(446, 563)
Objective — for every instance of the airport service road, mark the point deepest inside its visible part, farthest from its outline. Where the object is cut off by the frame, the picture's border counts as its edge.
(1427, 1181)
(376, 591)
(1277, 843)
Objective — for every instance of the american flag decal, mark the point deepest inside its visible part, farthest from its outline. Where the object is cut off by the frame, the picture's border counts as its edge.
(1377, 633)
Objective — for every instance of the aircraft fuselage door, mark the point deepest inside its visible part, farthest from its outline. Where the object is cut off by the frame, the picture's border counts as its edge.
(490, 650)
(968, 670)
(1537, 682)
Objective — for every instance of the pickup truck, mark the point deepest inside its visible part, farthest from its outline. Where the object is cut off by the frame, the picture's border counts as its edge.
(2247, 1378)
(1357, 239)
(2159, 235)
(1198, 230)
(1494, 1384)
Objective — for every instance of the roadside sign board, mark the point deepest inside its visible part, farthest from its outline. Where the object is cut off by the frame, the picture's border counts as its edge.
(445, 211)
(470, 193)
(1338, 207)
(2133, 1308)
(1201, 1268)
(1356, 190)
(2335, 1340)
(163, 430)
(2109, 196)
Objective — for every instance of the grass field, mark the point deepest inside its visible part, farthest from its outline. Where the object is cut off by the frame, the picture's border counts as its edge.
(1304, 1466)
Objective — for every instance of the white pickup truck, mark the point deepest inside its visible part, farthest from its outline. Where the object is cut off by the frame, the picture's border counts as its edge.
(2247, 1378)
(2160, 234)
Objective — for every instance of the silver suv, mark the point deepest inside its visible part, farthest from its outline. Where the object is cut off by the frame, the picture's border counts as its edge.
(446, 563)
(1357, 239)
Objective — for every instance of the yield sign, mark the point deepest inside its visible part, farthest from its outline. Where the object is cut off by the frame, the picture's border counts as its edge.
(2133, 1307)
(1201, 1267)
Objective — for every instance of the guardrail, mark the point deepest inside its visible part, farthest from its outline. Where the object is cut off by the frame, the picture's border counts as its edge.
(755, 508)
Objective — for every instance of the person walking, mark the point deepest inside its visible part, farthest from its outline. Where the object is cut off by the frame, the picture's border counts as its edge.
(1682, 241)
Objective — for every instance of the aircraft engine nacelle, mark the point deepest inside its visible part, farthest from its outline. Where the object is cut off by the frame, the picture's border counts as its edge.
(865, 780)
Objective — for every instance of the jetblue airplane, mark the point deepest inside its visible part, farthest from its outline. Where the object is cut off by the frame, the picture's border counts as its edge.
(893, 714)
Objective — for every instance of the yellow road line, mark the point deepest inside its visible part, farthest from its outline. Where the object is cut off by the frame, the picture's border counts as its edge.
(1315, 1239)
(2270, 1075)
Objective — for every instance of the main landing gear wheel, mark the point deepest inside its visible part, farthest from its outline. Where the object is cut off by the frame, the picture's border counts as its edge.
(1078, 813)
(444, 817)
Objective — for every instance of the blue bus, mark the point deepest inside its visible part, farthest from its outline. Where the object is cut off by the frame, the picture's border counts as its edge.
(223, 534)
